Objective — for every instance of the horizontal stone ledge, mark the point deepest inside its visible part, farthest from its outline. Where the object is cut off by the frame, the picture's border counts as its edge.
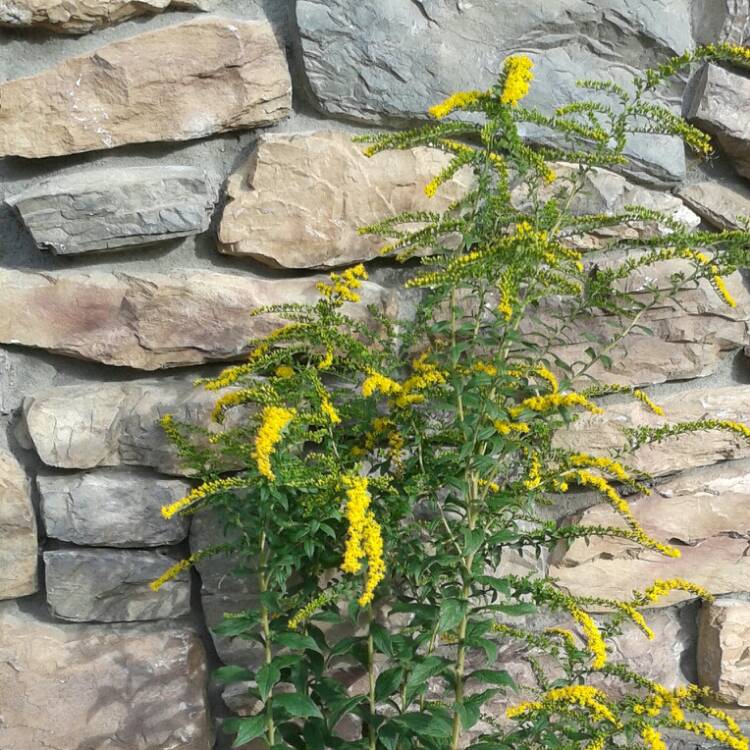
(150, 320)
(113, 424)
(106, 585)
(111, 508)
(115, 208)
(83, 16)
(300, 198)
(67, 685)
(185, 81)
(721, 204)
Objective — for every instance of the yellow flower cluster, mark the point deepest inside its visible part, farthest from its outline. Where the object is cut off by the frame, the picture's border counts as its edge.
(505, 305)
(737, 427)
(644, 398)
(227, 401)
(204, 490)
(309, 609)
(587, 479)
(459, 100)
(507, 428)
(273, 421)
(721, 287)
(329, 410)
(171, 573)
(554, 401)
(426, 374)
(600, 462)
(375, 382)
(327, 361)
(652, 739)
(585, 696)
(534, 477)
(364, 538)
(566, 635)
(545, 374)
(484, 367)
(342, 286)
(636, 617)
(594, 640)
(661, 588)
(518, 76)
(284, 371)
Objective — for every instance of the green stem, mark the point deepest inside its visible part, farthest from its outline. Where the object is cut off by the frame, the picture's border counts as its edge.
(371, 680)
(266, 628)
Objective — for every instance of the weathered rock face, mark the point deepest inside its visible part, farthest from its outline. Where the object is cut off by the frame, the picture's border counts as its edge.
(111, 508)
(18, 538)
(184, 81)
(223, 591)
(698, 512)
(82, 16)
(149, 321)
(381, 62)
(106, 585)
(723, 642)
(21, 373)
(65, 686)
(719, 204)
(720, 21)
(690, 334)
(113, 424)
(113, 209)
(719, 99)
(300, 198)
(600, 434)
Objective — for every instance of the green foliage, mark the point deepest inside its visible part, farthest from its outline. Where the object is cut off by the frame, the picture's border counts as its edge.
(383, 469)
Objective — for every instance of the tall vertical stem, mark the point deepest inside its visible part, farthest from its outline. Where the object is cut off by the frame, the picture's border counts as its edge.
(373, 737)
(266, 628)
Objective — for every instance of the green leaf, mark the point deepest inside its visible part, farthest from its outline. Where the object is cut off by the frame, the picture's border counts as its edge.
(296, 641)
(515, 610)
(424, 724)
(338, 709)
(314, 734)
(493, 677)
(451, 613)
(268, 675)
(416, 682)
(382, 639)
(297, 705)
(248, 729)
(388, 682)
(233, 626)
(233, 674)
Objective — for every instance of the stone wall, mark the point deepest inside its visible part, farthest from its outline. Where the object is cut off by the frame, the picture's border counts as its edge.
(168, 166)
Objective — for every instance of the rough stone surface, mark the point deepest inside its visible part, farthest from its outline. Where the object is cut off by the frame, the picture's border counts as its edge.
(111, 508)
(113, 209)
(300, 198)
(149, 321)
(67, 686)
(222, 590)
(719, 100)
(106, 585)
(21, 373)
(377, 61)
(724, 648)
(184, 81)
(18, 538)
(721, 21)
(82, 16)
(113, 424)
(703, 513)
(601, 434)
(720, 204)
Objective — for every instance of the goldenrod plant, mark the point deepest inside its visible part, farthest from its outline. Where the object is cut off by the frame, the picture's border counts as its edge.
(377, 474)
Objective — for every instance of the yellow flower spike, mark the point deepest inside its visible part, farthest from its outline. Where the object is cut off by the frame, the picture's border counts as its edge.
(660, 588)
(327, 361)
(274, 420)
(594, 640)
(552, 401)
(652, 739)
(364, 538)
(721, 287)
(534, 478)
(507, 428)
(200, 492)
(306, 612)
(545, 374)
(566, 635)
(584, 696)
(518, 76)
(459, 100)
(329, 410)
(600, 462)
(169, 574)
(375, 382)
(644, 398)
